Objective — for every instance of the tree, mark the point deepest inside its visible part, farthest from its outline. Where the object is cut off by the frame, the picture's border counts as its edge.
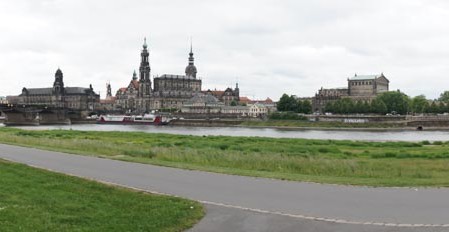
(419, 104)
(233, 103)
(395, 101)
(433, 108)
(306, 107)
(366, 107)
(346, 106)
(442, 108)
(299, 104)
(378, 107)
(283, 103)
(444, 97)
(358, 108)
(329, 107)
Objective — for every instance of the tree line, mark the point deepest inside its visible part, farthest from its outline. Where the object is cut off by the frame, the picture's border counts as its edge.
(293, 104)
(388, 102)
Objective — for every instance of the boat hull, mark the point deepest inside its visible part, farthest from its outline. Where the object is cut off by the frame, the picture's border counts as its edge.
(133, 120)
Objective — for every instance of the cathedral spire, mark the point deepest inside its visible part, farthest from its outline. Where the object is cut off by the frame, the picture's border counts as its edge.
(191, 59)
(144, 68)
(191, 69)
(191, 46)
(145, 43)
(134, 75)
(108, 90)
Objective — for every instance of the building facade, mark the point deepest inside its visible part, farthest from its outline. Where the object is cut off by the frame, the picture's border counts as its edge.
(360, 88)
(60, 96)
(228, 96)
(169, 92)
(109, 103)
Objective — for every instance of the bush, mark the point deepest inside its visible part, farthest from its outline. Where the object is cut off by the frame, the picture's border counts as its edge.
(390, 155)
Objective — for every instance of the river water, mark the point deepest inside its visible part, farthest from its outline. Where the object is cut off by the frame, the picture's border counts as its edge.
(368, 135)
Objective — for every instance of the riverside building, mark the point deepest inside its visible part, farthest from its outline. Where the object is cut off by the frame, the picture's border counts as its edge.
(59, 96)
(170, 91)
(360, 88)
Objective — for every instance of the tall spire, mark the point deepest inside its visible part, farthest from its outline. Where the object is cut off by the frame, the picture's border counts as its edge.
(145, 43)
(108, 90)
(191, 69)
(191, 45)
(191, 59)
(134, 75)
(144, 68)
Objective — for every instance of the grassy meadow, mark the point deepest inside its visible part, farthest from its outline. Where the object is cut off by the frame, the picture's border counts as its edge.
(325, 161)
(36, 200)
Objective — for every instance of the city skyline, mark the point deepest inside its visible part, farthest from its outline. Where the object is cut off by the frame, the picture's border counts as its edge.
(293, 47)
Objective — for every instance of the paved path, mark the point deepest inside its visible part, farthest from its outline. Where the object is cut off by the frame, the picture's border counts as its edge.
(261, 203)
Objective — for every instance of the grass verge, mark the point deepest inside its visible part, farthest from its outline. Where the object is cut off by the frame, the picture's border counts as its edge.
(36, 200)
(325, 161)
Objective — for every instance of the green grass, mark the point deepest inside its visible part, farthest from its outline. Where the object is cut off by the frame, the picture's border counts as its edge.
(298, 123)
(325, 161)
(37, 200)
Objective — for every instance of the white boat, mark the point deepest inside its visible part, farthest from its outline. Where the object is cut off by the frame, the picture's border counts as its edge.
(146, 119)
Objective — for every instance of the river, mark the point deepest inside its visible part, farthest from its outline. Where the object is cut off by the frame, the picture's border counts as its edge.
(362, 135)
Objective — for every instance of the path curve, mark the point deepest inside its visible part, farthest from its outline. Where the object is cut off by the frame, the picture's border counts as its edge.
(395, 207)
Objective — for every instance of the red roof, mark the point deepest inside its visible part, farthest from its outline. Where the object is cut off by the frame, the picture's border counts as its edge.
(216, 93)
(244, 99)
(266, 101)
(107, 101)
(135, 83)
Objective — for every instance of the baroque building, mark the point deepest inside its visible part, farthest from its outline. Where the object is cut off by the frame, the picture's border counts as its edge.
(108, 104)
(170, 91)
(60, 96)
(360, 88)
(228, 96)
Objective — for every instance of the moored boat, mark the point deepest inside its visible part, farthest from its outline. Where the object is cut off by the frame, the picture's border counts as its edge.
(146, 119)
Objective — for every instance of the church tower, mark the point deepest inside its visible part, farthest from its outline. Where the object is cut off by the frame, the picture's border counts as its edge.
(237, 92)
(145, 82)
(58, 85)
(191, 69)
(144, 91)
(108, 91)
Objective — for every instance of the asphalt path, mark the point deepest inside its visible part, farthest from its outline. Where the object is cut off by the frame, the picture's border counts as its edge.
(237, 203)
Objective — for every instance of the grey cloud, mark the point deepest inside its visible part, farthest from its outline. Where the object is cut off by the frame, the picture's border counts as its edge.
(270, 46)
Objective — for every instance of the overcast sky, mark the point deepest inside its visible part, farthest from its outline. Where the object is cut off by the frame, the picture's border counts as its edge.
(269, 46)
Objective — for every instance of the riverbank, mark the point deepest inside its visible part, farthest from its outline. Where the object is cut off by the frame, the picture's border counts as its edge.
(38, 200)
(325, 161)
(306, 125)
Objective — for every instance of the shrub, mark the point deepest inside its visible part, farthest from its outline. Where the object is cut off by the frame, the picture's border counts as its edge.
(223, 146)
(390, 155)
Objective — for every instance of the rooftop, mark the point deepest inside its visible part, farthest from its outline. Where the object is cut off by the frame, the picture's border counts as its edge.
(172, 76)
(364, 77)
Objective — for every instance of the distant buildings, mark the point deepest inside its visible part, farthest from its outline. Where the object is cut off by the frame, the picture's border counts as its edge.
(207, 103)
(61, 96)
(360, 88)
(229, 96)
